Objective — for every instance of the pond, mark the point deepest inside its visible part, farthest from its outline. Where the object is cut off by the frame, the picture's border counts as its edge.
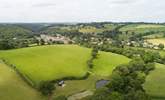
(101, 83)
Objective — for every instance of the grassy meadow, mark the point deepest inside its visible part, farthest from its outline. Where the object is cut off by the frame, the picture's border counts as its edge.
(49, 62)
(103, 67)
(106, 62)
(154, 84)
(142, 28)
(12, 87)
(76, 86)
(92, 29)
(154, 36)
(157, 41)
(58, 61)
(54, 62)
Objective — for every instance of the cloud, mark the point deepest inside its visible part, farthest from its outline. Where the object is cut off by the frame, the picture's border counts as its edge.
(44, 5)
(124, 1)
(81, 10)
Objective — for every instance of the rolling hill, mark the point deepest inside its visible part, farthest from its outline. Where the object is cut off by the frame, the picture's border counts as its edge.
(154, 84)
(49, 62)
(58, 61)
(143, 28)
(12, 87)
(13, 31)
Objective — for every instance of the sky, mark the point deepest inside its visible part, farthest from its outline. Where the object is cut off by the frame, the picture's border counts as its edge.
(82, 10)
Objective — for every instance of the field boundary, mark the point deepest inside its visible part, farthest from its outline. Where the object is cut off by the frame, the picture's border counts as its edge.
(30, 81)
(36, 86)
(23, 76)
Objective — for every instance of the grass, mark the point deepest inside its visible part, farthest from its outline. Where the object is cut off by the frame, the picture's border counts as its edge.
(15, 88)
(44, 63)
(154, 84)
(143, 28)
(157, 41)
(49, 62)
(12, 87)
(58, 61)
(106, 62)
(132, 29)
(75, 86)
(103, 67)
(92, 29)
(154, 36)
(150, 26)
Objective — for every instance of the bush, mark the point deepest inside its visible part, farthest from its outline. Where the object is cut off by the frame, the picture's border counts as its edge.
(94, 52)
(126, 82)
(90, 63)
(161, 46)
(46, 87)
(60, 98)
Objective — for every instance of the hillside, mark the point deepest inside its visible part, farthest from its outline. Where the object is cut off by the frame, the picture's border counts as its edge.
(143, 28)
(49, 62)
(83, 28)
(157, 41)
(46, 63)
(106, 62)
(12, 87)
(154, 84)
(13, 31)
(58, 61)
(55, 62)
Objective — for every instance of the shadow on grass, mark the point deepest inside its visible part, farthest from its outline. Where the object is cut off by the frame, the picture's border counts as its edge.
(158, 97)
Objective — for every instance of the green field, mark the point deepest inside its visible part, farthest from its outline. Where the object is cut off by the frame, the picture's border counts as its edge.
(103, 67)
(58, 61)
(92, 29)
(12, 87)
(142, 28)
(132, 29)
(81, 28)
(106, 62)
(76, 86)
(154, 84)
(157, 41)
(54, 62)
(49, 62)
(154, 36)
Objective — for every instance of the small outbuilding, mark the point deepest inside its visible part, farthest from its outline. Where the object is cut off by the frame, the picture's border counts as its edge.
(61, 83)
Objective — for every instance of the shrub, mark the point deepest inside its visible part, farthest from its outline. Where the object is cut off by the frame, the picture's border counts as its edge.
(60, 98)
(161, 46)
(46, 87)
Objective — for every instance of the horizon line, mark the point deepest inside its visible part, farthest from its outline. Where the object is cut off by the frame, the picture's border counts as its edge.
(80, 22)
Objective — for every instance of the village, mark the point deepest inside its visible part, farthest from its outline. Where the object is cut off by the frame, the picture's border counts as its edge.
(54, 39)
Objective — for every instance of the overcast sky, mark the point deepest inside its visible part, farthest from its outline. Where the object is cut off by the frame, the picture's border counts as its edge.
(82, 10)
